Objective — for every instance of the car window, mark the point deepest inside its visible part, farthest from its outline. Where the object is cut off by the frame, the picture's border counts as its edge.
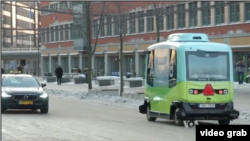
(20, 82)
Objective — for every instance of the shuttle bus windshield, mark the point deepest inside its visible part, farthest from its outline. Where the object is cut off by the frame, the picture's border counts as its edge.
(207, 66)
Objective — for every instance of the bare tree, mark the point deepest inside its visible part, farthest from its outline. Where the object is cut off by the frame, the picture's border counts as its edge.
(162, 9)
(121, 17)
(83, 22)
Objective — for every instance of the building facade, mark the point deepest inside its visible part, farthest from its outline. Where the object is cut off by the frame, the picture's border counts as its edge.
(20, 24)
(223, 22)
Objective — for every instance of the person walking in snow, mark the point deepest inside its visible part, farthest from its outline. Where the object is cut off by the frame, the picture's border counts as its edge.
(239, 68)
(59, 73)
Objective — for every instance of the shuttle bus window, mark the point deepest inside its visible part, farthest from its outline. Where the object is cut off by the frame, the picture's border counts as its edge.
(150, 69)
(172, 68)
(161, 65)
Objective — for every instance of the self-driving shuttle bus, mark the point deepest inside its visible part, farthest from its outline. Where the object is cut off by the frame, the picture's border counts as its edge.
(189, 78)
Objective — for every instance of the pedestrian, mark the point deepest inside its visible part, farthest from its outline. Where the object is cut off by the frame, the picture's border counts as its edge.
(59, 73)
(239, 68)
(19, 68)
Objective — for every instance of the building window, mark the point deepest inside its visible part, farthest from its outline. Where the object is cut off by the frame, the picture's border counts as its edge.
(109, 26)
(247, 11)
(192, 14)
(219, 12)
(70, 4)
(206, 15)
(52, 34)
(93, 2)
(54, 7)
(95, 26)
(43, 35)
(61, 33)
(63, 5)
(234, 11)
(132, 23)
(181, 15)
(45, 10)
(124, 23)
(102, 27)
(74, 3)
(57, 33)
(150, 20)
(170, 17)
(159, 12)
(71, 28)
(116, 26)
(66, 32)
(140, 21)
(47, 35)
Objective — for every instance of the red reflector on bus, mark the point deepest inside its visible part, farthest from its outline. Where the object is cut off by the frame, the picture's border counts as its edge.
(208, 90)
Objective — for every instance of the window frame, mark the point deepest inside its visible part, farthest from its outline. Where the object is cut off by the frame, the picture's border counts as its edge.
(170, 18)
(61, 30)
(141, 22)
(219, 6)
(234, 12)
(181, 16)
(47, 35)
(247, 11)
(132, 20)
(205, 13)
(150, 20)
(193, 14)
(109, 26)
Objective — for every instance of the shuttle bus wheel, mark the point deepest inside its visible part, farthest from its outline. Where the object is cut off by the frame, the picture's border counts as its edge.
(224, 122)
(177, 121)
(148, 115)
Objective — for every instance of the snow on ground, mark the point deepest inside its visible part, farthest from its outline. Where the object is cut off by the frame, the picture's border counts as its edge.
(124, 102)
(104, 99)
(243, 86)
(245, 115)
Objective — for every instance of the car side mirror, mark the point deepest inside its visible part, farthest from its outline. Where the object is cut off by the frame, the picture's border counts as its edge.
(172, 83)
(43, 85)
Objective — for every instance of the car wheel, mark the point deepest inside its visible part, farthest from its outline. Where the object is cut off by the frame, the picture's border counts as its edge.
(44, 110)
(177, 121)
(224, 122)
(148, 116)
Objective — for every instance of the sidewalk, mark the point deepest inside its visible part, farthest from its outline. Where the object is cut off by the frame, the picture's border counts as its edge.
(243, 86)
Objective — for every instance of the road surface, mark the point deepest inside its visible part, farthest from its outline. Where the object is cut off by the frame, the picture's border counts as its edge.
(72, 119)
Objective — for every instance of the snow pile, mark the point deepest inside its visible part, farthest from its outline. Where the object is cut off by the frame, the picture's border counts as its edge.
(245, 115)
(97, 98)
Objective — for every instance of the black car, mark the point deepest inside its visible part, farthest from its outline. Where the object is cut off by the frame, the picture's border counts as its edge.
(23, 92)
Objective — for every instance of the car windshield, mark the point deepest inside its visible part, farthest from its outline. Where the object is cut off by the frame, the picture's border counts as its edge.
(20, 82)
(207, 66)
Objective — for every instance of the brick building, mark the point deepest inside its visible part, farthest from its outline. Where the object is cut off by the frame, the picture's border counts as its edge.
(223, 22)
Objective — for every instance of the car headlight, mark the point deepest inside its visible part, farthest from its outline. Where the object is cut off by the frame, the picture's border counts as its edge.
(44, 95)
(5, 95)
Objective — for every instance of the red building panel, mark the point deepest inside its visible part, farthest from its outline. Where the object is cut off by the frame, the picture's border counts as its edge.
(216, 30)
(47, 20)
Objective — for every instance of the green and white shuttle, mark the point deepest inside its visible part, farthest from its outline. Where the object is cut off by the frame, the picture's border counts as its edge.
(189, 78)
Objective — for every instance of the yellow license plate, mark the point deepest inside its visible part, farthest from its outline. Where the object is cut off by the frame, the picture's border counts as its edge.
(25, 102)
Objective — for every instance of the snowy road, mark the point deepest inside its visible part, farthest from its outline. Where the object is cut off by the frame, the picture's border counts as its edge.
(75, 119)
(78, 120)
